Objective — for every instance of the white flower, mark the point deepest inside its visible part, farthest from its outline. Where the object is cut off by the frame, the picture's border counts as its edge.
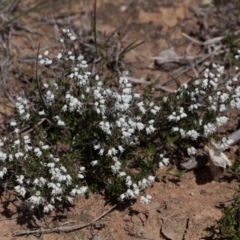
(48, 61)
(42, 61)
(192, 134)
(109, 152)
(225, 143)
(122, 197)
(221, 120)
(42, 181)
(161, 165)
(146, 199)
(13, 124)
(224, 97)
(144, 183)
(48, 207)
(96, 77)
(3, 172)
(114, 151)
(116, 167)
(81, 176)
(191, 151)
(172, 117)
(10, 157)
(61, 123)
(95, 162)
(45, 147)
(38, 152)
(175, 129)
(165, 161)
(101, 152)
(51, 165)
(140, 126)
(82, 169)
(36, 181)
(3, 156)
(26, 139)
(121, 149)
(20, 179)
(130, 194)
(209, 129)
(182, 133)
(59, 56)
(122, 174)
(56, 159)
(70, 199)
(42, 113)
(136, 95)
(153, 111)
(96, 146)
(21, 190)
(156, 108)
(222, 108)
(128, 181)
(36, 199)
(81, 191)
(46, 53)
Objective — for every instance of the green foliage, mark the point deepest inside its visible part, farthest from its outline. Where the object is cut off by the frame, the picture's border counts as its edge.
(235, 168)
(176, 173)
(229, 224)
(76, 133)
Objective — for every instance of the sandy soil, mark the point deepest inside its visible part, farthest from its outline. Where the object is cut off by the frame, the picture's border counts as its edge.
(180, 210)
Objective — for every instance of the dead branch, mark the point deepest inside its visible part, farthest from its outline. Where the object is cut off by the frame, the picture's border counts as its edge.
(156, 86)
(202, 159)
(207, 42)
(62, 228)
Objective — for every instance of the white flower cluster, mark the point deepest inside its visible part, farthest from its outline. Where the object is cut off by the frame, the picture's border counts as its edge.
(114, 107)
(164, 161)
(237, 56)
(22, 106)
(224, 144)
(111, 120)
(120, 116)
(176, 117)
(204, 99)
(68, 34)
(191, 151)
(56, 179)
(44, 60)
(134, 189)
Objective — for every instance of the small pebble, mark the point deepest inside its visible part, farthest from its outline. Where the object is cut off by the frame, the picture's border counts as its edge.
(123, 8)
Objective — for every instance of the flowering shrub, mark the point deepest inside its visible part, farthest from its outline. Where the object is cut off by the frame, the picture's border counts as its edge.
(75, 134)
(78, 135)
(195, 111)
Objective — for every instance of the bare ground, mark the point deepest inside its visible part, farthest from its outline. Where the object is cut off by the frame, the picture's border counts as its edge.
(180, 210)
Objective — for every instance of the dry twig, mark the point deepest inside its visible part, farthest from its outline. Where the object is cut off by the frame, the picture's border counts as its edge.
(201, 159)
(63, 228)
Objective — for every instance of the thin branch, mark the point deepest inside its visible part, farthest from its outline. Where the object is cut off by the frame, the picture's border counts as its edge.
(156, 86)
(202, 159)
(207, 42)
(63, 228)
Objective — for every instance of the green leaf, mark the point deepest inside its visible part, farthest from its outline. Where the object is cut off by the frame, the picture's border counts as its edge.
(150, 150)
(94, 30)
(172, 140)
(129, 48)
(170, 169)
(29, 10)
(179, 174)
